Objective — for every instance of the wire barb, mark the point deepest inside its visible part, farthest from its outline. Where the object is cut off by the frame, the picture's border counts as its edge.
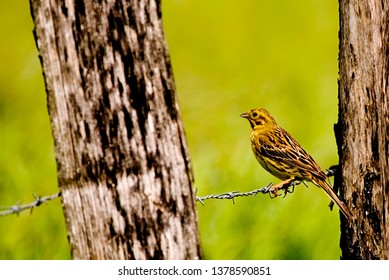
(38, 200)
(332, 170)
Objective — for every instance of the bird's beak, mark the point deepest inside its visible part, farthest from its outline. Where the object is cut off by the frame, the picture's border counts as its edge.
(245, 115)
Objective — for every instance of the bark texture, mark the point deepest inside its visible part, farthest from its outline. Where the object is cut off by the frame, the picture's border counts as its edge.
(122, 159)
(363, 127)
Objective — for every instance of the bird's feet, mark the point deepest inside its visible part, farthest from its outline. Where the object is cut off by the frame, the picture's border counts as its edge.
(287, 186)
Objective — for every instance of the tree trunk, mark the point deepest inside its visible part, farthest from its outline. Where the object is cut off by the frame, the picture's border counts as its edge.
(122, 159)
(363, 127)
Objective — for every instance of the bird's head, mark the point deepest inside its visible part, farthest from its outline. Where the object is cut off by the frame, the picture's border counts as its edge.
(259, 119)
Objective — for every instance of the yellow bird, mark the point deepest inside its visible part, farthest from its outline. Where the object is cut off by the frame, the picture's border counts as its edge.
(282, 156)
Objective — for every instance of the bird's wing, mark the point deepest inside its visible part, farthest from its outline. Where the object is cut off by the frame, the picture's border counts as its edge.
(283, 148)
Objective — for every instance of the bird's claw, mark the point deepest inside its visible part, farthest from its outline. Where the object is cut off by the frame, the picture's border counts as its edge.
(287, 186)
(288, 190)
(271, 191)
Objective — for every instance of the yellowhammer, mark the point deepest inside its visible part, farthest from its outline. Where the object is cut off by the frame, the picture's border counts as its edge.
(281, 155)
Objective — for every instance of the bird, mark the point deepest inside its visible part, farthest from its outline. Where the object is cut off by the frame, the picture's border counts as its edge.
(283, 157)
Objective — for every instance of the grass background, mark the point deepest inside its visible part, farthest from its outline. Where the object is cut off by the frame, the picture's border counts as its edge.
(228, 57)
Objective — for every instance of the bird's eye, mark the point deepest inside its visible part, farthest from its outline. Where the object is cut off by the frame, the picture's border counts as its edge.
(255, 114)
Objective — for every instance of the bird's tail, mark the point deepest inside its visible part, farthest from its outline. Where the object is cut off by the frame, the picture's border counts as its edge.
(330, 192)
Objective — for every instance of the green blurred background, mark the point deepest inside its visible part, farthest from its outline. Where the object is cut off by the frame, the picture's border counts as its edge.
(228, 57)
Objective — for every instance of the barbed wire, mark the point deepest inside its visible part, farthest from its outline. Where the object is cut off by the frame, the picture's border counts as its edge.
(38, 200)
(289, 188)
(232, 195)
